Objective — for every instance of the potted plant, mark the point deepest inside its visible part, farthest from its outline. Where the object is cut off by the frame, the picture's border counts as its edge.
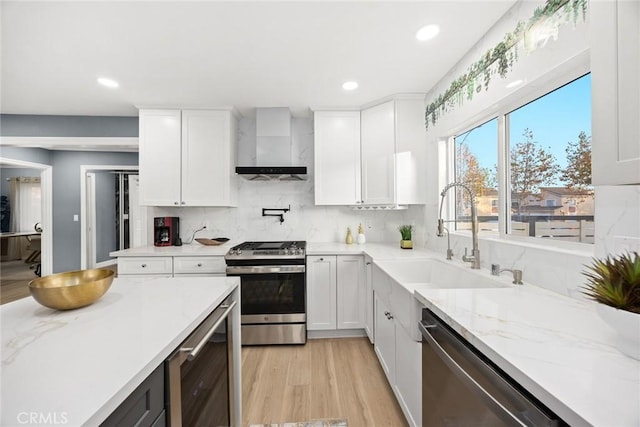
(405, 232)
(615, 283)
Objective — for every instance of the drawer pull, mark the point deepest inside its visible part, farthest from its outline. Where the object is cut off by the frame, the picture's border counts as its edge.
(199, 264)
(143, 265)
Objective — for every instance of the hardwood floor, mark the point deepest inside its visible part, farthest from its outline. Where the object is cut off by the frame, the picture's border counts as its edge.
(324, 379)
(14, 278)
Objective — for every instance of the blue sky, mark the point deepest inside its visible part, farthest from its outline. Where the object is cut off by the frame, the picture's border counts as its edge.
(555, 119)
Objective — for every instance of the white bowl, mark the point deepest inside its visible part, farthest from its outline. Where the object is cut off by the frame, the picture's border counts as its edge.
(627, 327)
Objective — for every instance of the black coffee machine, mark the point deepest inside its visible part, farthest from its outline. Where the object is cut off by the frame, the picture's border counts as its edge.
(166, 231)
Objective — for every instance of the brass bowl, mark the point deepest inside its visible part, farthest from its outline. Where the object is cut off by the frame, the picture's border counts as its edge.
(71, 289)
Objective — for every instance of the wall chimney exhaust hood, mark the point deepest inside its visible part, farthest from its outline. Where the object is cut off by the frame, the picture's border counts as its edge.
(273, 148)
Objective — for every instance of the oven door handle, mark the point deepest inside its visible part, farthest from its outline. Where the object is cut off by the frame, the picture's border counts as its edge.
(263, 269)
(193, 351)
(459, 372)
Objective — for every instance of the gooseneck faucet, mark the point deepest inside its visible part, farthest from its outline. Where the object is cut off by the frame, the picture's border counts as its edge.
(474, 259)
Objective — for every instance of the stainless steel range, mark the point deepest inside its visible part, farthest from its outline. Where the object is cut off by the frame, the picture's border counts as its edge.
(272, 291)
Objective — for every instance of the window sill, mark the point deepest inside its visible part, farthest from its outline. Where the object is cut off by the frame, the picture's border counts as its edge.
(572, 248)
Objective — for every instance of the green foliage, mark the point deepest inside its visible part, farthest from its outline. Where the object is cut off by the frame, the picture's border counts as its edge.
(501, 58)
(615, 282)
(405, 231)
(577, 174)
(531, 166)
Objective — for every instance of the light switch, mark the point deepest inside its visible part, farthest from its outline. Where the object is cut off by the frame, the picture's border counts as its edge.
(75, 218)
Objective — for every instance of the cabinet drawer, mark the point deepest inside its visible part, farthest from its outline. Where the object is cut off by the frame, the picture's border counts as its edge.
(145, 265)
(201, 265)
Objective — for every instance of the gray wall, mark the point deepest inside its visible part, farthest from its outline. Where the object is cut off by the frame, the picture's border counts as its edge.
(66, 201)
(105, 215)
(34, 155)
(71, 126)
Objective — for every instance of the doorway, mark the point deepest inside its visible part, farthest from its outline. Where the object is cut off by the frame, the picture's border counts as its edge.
(111, 218)
(26, 235)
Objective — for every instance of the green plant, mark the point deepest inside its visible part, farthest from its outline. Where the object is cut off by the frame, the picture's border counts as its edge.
(615, 281)
(405, 231)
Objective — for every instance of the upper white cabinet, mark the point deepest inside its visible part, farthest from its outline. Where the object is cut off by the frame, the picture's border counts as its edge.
(373, 161)
(187, 158)
(615, 77)
(337, 157)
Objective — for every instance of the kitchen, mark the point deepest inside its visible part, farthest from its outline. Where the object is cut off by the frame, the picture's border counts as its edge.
(557, 269)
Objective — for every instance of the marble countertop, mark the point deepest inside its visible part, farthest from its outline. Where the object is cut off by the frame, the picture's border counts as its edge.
(188, 249)
(79, 365)
(377, 251)
(556, 347)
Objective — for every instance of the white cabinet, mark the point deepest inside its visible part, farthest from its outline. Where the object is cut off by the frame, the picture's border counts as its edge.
(188, 266)
(321, 292)
(187, 158)
(376, 162)
(398, 352)
(335, 292)
(378, 147)
(368, 294)
(385, 339)
(615, 80)
(161, 266)
(337, 157)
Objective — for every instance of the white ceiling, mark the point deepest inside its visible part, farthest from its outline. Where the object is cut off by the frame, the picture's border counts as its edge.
(234, 53)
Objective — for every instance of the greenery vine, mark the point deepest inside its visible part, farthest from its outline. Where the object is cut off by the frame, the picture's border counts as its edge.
(501, 58)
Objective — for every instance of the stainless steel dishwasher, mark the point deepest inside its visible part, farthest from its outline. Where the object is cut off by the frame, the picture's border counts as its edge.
(461, 387)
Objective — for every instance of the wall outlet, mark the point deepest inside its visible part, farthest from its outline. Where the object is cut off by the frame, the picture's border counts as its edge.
(75, 218)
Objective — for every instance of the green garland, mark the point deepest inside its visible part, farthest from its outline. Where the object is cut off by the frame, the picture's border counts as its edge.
(501, 58)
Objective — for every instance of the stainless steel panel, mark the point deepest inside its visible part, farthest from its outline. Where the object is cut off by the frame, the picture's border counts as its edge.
(274, 334)
(273, 318)
(264, 269)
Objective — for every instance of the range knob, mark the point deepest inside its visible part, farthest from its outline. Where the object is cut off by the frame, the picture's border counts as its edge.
(290, 251)
(238, 251)
(298, 251)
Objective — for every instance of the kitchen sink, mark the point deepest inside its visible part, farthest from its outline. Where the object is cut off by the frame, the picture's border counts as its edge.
(437, 274)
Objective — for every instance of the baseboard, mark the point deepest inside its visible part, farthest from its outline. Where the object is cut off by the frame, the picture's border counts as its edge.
(336, 333)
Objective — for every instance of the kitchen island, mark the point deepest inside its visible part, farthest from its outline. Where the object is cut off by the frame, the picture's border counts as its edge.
(76, 367)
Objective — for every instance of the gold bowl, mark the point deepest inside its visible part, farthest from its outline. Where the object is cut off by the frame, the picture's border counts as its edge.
(71, 289)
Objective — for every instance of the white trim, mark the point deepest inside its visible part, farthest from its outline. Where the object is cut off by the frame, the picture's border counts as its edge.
(84, 169)
(336, 333)
(46, 189)
(125, 144)
(107, 263)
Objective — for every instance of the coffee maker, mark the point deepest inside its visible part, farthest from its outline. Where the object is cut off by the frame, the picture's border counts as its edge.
(166, 231)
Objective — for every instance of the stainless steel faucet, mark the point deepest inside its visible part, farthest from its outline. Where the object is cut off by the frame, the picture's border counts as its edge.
(517, 274)
(474, 259)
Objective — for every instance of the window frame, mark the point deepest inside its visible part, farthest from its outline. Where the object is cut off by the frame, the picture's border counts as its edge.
(561, 76)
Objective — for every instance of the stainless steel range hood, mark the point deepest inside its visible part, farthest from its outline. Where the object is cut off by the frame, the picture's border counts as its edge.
(273, 148)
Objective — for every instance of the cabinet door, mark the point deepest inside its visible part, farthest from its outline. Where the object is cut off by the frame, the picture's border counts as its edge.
(206, 158)
(385, 339)
(337, 157)
(408, 385)
(350, 292)
(378, 154)
(159, 157)
(368, 298)
(321, 292)
(146, 266)
(205, 265)
(615, 71)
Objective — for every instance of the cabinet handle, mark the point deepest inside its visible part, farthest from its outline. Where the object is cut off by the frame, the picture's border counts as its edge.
(386, 313)
(143, 265)
(368, 263)
(199, 264)
(175, 203)
(321, 259)
(182, 203)
(390, 316)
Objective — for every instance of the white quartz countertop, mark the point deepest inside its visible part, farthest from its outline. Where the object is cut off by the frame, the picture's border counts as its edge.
(556, 347)
(189, 249)
(374, 250)
(77, 366)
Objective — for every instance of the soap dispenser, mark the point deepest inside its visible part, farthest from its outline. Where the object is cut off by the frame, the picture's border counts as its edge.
(361, 239)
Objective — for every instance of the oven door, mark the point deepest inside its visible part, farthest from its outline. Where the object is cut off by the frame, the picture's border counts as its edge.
(271, 294)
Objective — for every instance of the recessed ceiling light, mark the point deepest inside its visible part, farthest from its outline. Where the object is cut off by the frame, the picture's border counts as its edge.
(514, 84)
(108, 82)
(427, 32)
(350, 85)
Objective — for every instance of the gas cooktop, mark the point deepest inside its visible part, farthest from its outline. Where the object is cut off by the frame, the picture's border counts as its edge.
(267, 250)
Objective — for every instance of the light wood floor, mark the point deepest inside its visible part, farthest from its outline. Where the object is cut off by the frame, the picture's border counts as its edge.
(14, 278)
(324, 379)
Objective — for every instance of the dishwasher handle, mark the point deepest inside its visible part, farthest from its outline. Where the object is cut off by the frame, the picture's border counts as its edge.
(193, 351)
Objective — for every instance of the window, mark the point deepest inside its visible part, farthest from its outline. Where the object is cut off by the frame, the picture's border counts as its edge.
(476, 157)
(548, 162)
(550, 159)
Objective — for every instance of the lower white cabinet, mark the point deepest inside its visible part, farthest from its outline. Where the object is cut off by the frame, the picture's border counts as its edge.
(335, 292)
(167, 266)
(398, 352)
(368, 295)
